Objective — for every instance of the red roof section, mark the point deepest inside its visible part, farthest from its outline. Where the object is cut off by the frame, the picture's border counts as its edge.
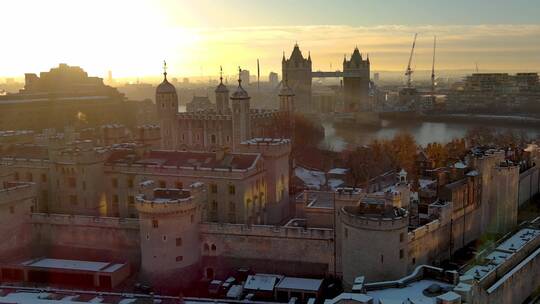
(189, 159)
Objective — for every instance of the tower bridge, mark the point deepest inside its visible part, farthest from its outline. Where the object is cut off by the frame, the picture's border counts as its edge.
(355, 74)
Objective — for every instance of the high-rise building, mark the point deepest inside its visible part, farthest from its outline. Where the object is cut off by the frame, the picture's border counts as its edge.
(244, 76)
(273, 78)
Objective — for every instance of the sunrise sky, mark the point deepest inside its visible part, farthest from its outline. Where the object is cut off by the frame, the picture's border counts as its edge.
(132, 38)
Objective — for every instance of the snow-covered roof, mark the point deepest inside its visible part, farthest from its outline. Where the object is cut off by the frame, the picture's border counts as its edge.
(261, 282)
(472, 173)
(299, 284)
(67, 264)
(346, 297)
(412, 292)
(313, 179)
(425, 182)
(460, 165)
(340, 171)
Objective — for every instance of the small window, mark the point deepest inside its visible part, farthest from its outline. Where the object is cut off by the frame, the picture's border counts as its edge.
(179, 185)
(114, 182)
(147, 236)
(401, 254)
(214, 205)
(179, 258)
(346, 232)
(414, 261)
(401, 237)
(155, 223)
(192, 218)
(213, 247)
(206, 247)
(29, 177)
(11, 209)
(178, 241)
(16, 176)
(213, 188)
(382, 258)
(131, 200)
(232, 189)
(162, 184)
(84, 185)
(130, 183)
(164, 238)
(115, 199)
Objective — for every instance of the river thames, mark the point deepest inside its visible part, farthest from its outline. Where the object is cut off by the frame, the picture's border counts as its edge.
(339, 137)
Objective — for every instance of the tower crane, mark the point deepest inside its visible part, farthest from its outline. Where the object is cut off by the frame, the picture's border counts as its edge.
(409, 71)
(433, 66)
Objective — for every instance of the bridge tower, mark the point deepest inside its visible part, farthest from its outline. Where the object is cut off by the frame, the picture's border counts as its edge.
(356, 82)
(298, 71)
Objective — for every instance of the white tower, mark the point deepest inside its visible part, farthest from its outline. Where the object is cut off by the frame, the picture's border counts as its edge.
(167, 107)
(240, 114)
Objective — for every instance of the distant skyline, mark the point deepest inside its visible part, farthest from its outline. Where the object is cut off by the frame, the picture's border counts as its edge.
(132, 38)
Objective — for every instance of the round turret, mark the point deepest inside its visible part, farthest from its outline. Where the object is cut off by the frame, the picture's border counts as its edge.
(222, 96)
(165, 87)
(240, 114)
(169, 227)
(374, 241)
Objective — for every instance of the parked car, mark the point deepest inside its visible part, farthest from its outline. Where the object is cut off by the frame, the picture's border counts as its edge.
(214, 287)
(143, 288)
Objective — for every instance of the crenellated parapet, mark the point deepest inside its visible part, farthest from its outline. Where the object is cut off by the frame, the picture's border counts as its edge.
(385, 221)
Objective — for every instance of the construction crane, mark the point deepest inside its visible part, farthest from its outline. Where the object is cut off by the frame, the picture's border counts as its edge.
(433, 66)
(409, 71)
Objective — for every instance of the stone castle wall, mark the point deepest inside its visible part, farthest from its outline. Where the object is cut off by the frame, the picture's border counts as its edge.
(529, 184)
(286, 250)
(86, 237)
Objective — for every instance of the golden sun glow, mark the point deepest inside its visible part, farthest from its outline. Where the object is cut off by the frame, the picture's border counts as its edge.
(132, 38)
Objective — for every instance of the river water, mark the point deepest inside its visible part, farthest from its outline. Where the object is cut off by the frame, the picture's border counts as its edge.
(339, 138)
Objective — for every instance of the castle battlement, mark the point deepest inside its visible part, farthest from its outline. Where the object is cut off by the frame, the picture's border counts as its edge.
(352, 216)
(202, 116)
(25, 162)
(267, 231)
(83, 220)
(169, 200)
(424, 230)
(180, 171)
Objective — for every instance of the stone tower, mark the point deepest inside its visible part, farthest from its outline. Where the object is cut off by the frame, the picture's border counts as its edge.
(167, 108)
(169, 222)
(240, 115)
(356, 82)
(298, 71)
(222, 96)
(286, 106)
(374, 239)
